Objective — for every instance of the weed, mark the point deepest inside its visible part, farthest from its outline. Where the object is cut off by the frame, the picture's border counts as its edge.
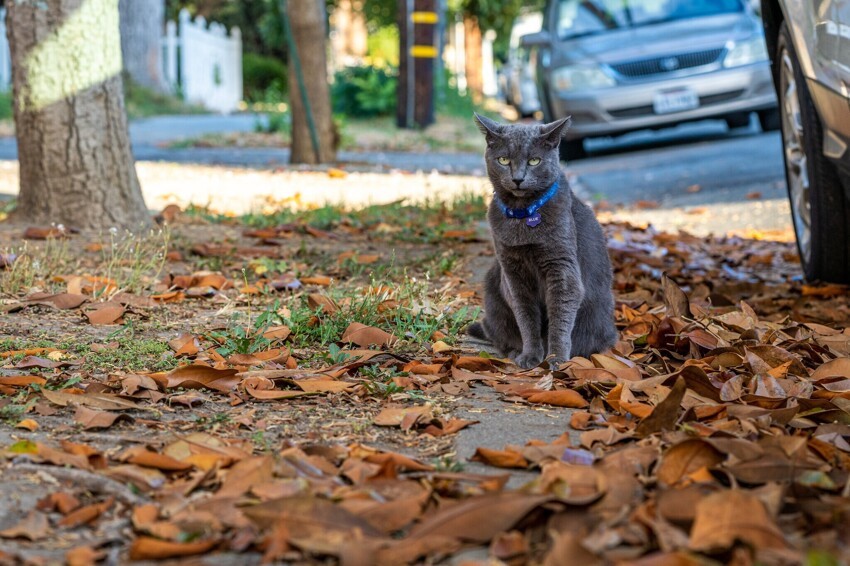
(132, 261)
(36, 265)
(380, 380)
(238, 339)
(448, 463)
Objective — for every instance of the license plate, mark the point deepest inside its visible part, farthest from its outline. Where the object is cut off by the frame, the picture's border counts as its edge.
(675, 101)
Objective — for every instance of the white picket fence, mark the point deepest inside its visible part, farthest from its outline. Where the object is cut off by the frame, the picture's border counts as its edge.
(5, 56)
(203, 64)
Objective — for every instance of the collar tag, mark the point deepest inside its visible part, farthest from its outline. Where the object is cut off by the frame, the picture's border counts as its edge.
(533, 220)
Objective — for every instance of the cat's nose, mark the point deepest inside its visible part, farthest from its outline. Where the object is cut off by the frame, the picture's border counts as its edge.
(518, 182)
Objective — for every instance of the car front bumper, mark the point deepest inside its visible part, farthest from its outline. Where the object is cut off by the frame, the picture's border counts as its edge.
(629, 106)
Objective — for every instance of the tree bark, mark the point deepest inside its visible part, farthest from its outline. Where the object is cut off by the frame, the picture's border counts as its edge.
(142, 24)
(472, 45)
(76, 165)
(307, 22)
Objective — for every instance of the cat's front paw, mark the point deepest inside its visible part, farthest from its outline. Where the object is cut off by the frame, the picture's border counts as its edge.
(528, 360)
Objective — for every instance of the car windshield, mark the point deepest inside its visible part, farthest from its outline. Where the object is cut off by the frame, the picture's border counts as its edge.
(587, 17)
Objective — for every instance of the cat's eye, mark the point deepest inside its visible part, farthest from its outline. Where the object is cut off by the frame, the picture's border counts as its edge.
(534, 161)
(504, 160)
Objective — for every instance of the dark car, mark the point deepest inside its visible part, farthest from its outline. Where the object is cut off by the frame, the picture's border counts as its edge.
(809, 46)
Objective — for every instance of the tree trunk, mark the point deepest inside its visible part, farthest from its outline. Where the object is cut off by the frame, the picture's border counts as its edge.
(472, 46)
(142, 23)
(76, 166)
(307, 22)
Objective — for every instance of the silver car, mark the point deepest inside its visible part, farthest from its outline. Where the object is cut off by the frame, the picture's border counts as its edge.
(617, 66)
(809, 45)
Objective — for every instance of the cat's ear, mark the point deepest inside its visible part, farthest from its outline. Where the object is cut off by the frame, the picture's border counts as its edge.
(492, 130)
(552, 133)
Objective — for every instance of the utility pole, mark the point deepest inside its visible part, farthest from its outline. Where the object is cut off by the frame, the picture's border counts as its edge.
(419, 49)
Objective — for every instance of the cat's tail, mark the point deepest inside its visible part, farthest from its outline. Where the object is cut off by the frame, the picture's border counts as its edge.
(476, 330)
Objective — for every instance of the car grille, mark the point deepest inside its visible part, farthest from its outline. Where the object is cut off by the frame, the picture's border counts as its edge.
(667, 64)
(707, 100)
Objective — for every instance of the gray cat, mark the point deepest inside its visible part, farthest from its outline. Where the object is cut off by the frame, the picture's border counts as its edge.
(549, 291)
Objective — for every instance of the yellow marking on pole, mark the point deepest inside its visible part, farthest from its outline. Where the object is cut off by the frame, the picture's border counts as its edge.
(424, 17)
(423, 51)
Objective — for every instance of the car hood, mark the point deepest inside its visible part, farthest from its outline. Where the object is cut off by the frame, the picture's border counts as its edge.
(694, 34)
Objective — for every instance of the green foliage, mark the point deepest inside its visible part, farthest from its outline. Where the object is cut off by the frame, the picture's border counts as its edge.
(382, 46)
(142, 102)
(498, 15)
(259, 21)
(238, 339)
(364, 91)
(263, 77)
(6, 106)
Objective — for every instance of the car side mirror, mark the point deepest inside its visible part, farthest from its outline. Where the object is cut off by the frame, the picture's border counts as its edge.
(536, 39)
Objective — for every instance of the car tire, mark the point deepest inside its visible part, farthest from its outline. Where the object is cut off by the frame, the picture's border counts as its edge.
(820, 211)
(739, 120)
(769, 120)
(570, 150)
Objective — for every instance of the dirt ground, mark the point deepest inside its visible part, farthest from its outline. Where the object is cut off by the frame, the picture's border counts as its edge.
(296, 387)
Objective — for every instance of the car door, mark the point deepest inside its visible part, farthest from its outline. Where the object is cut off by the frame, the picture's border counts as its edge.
(832, 43)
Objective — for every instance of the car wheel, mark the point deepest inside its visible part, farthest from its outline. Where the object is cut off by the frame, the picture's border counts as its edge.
(770, 120)
(570, 150)
(740, 120)
(819, 209)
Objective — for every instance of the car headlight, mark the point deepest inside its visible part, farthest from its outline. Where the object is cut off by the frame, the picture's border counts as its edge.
(746, 52)
(580, 77)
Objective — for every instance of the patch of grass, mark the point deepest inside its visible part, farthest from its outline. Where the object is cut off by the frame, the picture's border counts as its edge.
(409, 312)
(405, 221)
(131, 354)
(143, 102)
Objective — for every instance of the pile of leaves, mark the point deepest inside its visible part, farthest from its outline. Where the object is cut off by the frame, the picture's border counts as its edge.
(716, 430)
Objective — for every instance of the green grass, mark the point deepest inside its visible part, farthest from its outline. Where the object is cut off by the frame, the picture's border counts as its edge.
(143, 102)
(424, 222)
(132, 353)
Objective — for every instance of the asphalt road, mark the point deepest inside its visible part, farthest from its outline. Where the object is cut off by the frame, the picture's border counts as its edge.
(735, 178)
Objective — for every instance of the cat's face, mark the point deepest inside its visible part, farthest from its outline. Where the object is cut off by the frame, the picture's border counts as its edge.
(522, 160)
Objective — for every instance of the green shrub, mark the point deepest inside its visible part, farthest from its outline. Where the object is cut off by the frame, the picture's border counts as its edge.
(6, 105)
(364, 91)
(261, 74)
(142, 102)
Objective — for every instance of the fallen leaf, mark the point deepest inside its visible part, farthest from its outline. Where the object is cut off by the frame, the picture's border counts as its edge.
(500, 458)
(365, 336)
(32, 527)
(148, 548)
(559, 398)
(730, 515)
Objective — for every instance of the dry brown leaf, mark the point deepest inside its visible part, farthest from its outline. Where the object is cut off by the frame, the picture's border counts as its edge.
(685, 458)
(32, 527)
(559, 398)
(105, 313)
(365, 336)
(148, 548)
(500, 458)
(93, 419)
(104, 401)
(200, 376)
(730, 515)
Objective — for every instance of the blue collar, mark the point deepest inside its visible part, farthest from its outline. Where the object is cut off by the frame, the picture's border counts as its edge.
(532, 208)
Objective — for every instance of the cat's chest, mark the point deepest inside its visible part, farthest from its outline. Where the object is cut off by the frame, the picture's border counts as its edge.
(544, 229)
